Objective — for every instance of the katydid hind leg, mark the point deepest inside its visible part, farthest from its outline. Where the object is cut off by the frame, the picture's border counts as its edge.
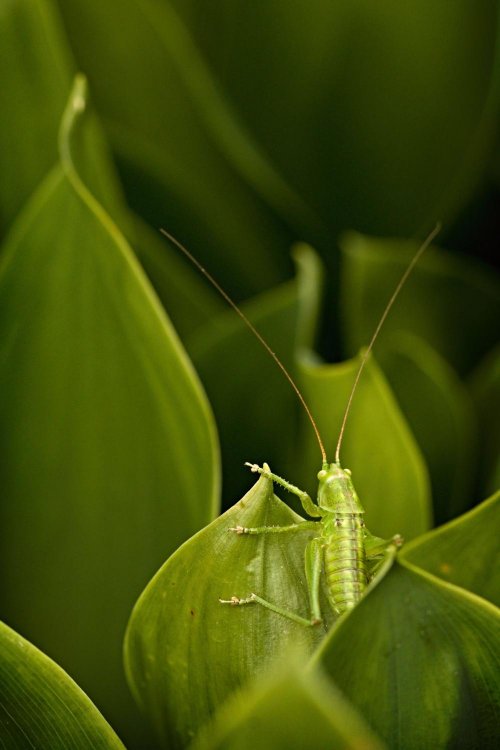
(313, 565)
(256, 599)
(254, 530)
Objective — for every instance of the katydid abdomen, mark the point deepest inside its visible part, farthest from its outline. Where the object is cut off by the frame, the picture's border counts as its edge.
(344, 561)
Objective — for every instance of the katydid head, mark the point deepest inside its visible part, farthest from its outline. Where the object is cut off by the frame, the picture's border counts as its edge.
(336, 491)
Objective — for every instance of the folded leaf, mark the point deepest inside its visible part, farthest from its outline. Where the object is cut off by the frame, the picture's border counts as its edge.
(419, 660)
(41, 706)
(465, 551)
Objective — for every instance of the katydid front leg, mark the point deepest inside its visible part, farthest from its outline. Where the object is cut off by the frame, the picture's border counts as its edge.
(310, 508)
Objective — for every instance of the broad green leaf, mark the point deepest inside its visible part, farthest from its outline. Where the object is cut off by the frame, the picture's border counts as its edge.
(40, 705)
(439, 410)
(35, 79)
(465, 551)
(386, 464)
(176, 172)
(185, 653)
(485, 391)
(453, 304)
(292, 709)
(382, 116)
(109, 455)
(419, 659)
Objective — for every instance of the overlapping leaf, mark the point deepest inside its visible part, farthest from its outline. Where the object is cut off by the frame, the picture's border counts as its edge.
(291, 709)
(109, 457)
(465, 551)
(419, 659)
(41, 706)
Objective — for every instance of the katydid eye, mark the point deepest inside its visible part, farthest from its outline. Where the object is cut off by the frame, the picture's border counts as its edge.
(348, 472)
(322, 474)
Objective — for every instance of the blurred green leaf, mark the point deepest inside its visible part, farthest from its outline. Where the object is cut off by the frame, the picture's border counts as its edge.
(465, 551)
(41, 706)
(173, 167)
(237, 371)
(388, 471)
(445, 294)
(485, 390)
(292, 709)
(186, 295)
(109, 453)
(185, 653)
(439, 410)
(419, 659)
(382, 116)
(35, 79)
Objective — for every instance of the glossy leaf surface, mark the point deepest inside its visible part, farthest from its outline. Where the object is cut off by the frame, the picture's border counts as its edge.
(40, 705)
(103, 422)
(425, 673)
(185, 652)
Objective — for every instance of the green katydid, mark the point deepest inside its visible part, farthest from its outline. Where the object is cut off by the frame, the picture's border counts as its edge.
(343, 547)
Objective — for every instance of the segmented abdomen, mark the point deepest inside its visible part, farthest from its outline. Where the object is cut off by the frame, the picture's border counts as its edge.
(345, 562)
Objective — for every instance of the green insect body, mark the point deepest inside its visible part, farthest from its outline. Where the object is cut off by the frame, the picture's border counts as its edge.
(340, 551)
(342, 538)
